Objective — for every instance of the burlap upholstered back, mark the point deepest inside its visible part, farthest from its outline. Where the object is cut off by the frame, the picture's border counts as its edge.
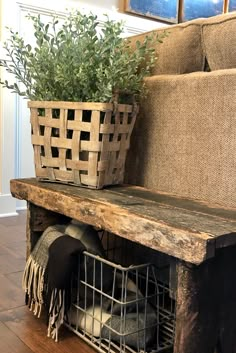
(181, 51)
(219, 41)
(184, 140)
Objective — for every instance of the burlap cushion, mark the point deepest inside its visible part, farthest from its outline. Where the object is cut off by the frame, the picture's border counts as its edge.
(219, 41)
(184, 140)
(181, 50)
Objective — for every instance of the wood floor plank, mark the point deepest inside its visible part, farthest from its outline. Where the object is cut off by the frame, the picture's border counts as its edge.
(10, 343)
(11, 294)
(11, 234)
(17, 248)
(16, 279)
(15, 220)
(9, 264)
(33, 333)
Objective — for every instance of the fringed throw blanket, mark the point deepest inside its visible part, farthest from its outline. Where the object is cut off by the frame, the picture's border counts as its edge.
(33, 276)
(48, 271)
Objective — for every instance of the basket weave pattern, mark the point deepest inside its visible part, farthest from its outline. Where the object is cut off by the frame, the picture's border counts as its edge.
(81, 143)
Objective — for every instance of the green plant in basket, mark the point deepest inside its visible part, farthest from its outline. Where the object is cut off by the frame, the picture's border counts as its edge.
(77, 60)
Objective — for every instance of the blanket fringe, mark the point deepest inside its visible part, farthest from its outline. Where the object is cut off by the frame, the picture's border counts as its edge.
(33, 283)
(56, 313)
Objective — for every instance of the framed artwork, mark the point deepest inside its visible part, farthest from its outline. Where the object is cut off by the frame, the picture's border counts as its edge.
(174, 11)
(201, 8)
(164, 10)
(232, 5)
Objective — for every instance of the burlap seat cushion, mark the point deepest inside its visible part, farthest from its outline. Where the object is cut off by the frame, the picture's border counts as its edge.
(181, 51)
(184, 140)
(219, 41)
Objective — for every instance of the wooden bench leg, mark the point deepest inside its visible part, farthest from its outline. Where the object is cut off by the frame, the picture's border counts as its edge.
(206, 305)
(227, 278)
(196, 309)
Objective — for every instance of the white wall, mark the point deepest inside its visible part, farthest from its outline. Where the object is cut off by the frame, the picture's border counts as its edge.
(16, 153)
(107, 4)
(7, 131)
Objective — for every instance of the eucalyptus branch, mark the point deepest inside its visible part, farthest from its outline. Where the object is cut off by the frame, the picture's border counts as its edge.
(73, 61)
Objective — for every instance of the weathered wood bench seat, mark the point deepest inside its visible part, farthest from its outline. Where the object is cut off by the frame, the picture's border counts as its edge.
(200, 238)
(186, 229)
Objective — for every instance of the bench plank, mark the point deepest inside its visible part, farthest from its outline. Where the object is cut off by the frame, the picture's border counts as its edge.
(186, 229)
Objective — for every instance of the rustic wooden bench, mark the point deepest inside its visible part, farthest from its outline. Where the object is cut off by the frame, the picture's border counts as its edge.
(199, 239)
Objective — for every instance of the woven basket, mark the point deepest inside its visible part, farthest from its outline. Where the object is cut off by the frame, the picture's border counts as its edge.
(83, 144)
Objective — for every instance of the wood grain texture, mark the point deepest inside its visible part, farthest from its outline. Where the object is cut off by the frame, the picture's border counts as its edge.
(11, 294)
(10, 343)
(184, 229)
(32, 333)
(206, 305)
(196, 310)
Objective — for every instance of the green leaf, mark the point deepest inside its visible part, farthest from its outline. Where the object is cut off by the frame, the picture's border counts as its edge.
(72, 61)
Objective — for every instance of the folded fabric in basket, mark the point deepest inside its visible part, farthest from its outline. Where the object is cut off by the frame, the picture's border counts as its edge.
(137, 330)
(91, 320)
(133, 322)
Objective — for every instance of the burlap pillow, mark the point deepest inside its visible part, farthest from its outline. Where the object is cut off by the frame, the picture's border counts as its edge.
(219, 41)
(181, 51)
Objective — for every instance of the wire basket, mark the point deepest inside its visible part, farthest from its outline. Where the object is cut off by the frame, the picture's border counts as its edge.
(121, 309)
(81, 143)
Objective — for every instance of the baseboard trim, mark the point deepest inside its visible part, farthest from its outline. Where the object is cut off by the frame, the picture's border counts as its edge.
(5, 215)
(7, 206)
(23, 208)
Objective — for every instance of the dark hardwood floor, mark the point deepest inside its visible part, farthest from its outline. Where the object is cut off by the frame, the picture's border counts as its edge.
(20, 330)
